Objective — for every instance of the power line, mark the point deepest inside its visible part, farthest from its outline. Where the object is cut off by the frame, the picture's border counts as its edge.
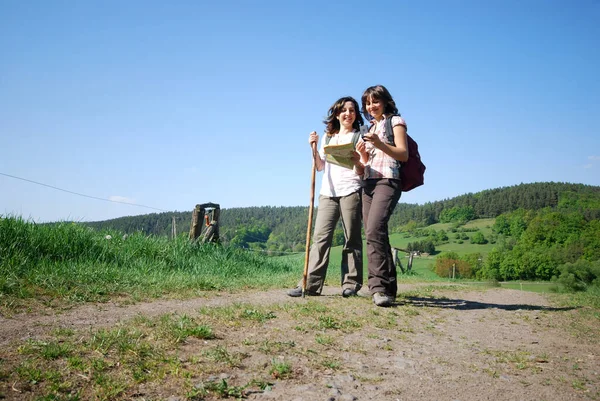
(130, 204)
(84, 195)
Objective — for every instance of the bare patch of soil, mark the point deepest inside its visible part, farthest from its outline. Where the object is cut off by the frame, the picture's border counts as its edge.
(436, 343)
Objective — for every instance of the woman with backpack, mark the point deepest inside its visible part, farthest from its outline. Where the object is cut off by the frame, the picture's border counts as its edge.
(382, 188)
(340, 196)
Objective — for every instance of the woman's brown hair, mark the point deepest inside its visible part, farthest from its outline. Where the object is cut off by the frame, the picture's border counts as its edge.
(381, 93)
(332, 124)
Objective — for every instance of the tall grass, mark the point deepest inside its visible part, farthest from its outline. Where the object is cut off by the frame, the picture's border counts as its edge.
(75, 263)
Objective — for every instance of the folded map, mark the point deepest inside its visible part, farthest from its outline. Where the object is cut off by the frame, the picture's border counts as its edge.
(340, 154)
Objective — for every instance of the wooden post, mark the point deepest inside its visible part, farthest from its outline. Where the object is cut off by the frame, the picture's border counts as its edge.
(197, 221)
(453, 270)
(173, 228)
(398, 260)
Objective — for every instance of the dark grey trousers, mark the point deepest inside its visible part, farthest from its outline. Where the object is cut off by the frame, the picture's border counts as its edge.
(329, 212)
(380, 197)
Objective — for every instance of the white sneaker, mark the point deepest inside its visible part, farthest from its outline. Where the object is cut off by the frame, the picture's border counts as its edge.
(381, 299)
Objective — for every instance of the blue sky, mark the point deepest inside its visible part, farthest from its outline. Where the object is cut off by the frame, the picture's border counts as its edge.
(169, 104)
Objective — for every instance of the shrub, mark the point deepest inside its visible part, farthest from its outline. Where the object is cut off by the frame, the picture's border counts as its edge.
(478, 238)
(447, 263)
(579, 275)
(426, 246)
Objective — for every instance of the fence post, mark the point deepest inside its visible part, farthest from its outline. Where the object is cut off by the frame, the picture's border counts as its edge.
(173, 227)
(196, 226)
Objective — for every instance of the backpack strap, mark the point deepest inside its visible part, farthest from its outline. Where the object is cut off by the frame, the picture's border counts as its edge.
(355, 138)
(389, 130)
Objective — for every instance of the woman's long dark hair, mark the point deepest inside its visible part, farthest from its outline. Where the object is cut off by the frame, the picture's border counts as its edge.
(332, 124)
(379, 92)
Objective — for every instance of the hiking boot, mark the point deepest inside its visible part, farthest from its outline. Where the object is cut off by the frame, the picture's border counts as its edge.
(297, 292)
(382, 299)
(349, 292)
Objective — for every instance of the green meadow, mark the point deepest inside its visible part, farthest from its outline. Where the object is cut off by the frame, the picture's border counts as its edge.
(69, 263)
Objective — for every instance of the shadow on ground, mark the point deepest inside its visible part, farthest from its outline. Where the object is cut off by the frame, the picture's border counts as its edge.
(461, 304)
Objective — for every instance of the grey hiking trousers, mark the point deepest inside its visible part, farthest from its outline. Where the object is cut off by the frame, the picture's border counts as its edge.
(328, 213)
(380, 197)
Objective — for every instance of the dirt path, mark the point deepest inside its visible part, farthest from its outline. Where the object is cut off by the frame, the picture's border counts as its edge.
(436, 344)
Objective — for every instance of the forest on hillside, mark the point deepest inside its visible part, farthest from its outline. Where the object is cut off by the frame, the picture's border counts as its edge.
(283, 229)
(546, 244)
(493, 202)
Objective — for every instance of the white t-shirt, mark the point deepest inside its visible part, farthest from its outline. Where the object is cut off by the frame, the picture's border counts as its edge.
(338, 180)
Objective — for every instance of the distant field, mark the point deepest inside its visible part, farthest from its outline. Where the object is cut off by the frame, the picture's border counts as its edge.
(465, 248)
(440, 226)
(484, 225)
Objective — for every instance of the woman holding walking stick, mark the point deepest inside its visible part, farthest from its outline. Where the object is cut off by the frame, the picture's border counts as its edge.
(340, 196)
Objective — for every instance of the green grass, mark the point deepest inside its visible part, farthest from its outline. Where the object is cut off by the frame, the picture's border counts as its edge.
(465, 248)
(401, 240)
(195, 353)
(69, 263)
(485, 225)
(440, 226)
(280, 369)
(110, 363)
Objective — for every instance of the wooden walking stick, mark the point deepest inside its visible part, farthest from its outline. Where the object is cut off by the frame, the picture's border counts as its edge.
(310, 219)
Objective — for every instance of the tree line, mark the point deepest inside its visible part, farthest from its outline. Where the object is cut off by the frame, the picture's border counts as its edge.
(493, 202)
(283, 229)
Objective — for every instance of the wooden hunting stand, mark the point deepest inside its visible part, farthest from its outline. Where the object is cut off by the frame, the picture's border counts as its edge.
(205, 222)
(398, 262)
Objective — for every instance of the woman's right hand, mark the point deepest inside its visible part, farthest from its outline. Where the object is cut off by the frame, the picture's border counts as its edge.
(313, 137)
